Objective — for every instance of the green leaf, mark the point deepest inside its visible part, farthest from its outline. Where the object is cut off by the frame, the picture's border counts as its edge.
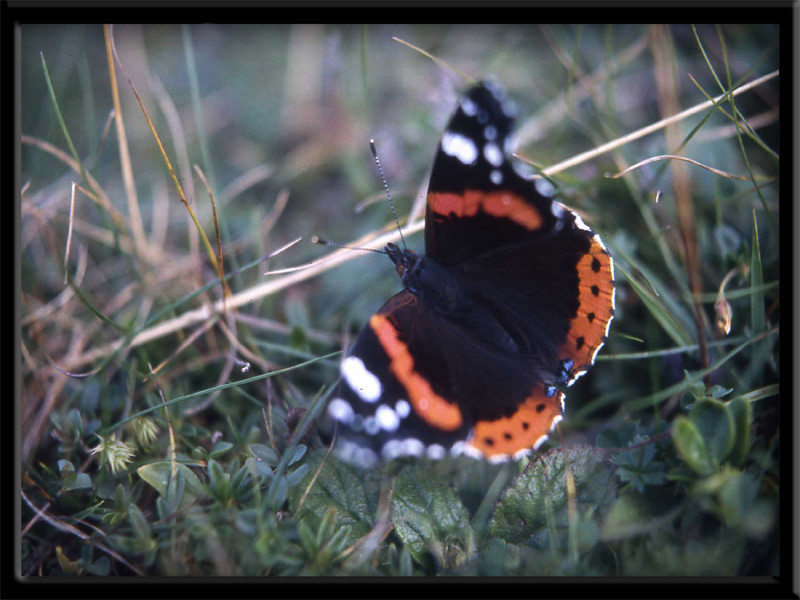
(718, 391)
(280, 494)
(81, 481)
(327, 526)
(105, 485)
(307, 539)
(634, 514)
(219, 481)
(534, 510)
(120, 499)
(742, 413)
(718, 554)
(298, 453)
(259, 467)
(143, 539)
(220, 449)
(715, 423)
(264, 454)
(297, 475)
(240, 483)
(690, 445)
(429, 517)
(339, 485)
(175, 491)
(101, 567)
(638, 466)
(141, 529)
(298, 338)
(338, 540)
(499, 558)
(158, 475)
(736, 496)
(733, 497)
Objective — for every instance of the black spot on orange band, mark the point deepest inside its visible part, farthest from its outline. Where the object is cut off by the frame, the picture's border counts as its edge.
(595, 309)
(530, 425)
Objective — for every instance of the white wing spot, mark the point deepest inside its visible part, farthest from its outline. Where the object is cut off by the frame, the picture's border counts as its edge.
(340, 410)
(371, 426)
(524, 170)
(402, 408)
(387, 418)
(352, 452)
(407, 447)
(459, 146)
(469, 107)
(435, 452)
(470, 451)
(412, 447)
(391, 449)
(492, 153)
(457, 449)
(544, 187)
(361, 381)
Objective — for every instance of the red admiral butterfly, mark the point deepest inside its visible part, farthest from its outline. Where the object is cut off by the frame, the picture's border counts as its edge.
(513, 297)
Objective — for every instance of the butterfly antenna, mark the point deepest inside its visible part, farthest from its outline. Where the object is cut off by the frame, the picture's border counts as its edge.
(315, 239)
(386, 187)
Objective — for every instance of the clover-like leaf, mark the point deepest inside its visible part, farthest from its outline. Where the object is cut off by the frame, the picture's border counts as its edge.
(690, 445)
(715, 423)
(158, 474)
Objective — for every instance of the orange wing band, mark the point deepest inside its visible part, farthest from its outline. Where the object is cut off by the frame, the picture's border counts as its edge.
(428, 405)
(496, 204)
(526, 429)
(588, 329)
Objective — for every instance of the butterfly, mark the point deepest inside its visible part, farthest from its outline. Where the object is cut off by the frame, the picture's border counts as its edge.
(511, 301)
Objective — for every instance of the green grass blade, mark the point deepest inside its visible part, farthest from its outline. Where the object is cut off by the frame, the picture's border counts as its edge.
(61, 118)
(755, 375)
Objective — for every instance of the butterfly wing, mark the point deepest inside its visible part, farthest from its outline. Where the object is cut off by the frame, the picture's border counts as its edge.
(386, 406)
(543, 272)
(416, 384)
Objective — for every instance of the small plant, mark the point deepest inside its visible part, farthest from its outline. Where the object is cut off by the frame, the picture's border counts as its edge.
(113, 454)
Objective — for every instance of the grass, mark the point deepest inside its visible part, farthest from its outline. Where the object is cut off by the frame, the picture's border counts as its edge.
(170, 388)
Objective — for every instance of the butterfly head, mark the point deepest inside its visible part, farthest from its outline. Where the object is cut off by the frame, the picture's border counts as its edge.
(406, 262)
